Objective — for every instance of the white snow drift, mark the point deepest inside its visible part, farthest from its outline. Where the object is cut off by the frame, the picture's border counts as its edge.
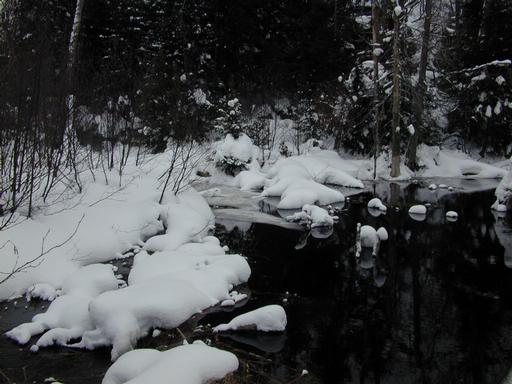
(187, 273)
(67, 316)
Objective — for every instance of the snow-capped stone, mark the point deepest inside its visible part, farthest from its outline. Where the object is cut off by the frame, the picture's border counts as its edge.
(418, 210)
(376, 203)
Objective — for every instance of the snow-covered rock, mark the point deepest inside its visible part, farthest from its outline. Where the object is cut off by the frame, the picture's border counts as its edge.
(452, 215)
(376, 203)
(194, 363)
(369, 237)
(271, 318)
(313, 216)
(418, 210)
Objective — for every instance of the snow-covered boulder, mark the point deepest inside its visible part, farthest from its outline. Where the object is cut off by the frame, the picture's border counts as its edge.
(369, 237)
(377, 204)
(418, 209)
(271, 318)
(313, 216)
(194, 363)
(452, 216)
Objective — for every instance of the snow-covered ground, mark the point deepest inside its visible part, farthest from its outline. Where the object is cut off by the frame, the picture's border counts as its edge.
(179, 268)
(316, 176)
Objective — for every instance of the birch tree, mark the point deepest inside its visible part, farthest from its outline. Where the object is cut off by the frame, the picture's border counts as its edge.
(70, 136)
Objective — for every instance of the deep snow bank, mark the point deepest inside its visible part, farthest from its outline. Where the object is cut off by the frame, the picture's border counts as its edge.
(67, 316)
(188, 272)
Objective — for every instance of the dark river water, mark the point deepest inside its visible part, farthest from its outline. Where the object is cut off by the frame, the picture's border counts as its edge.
(435, 305)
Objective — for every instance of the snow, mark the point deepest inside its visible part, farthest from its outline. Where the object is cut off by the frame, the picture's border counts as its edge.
(186, 218)
(369, 237)
(313, 216)
(503, 192)
(67, 316)
(299, 180)
(410, 129)
(250, 180)
(271, 318)
(452, 216)
(187, 273)
(418, 210)
(165, 289)
(398, 10)
(108, 220)
(194, 363)
(295, 192)
(451, 163)
(377, 204)
(240, 148)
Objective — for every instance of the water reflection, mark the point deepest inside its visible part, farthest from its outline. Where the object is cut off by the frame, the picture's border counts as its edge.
(434, 306)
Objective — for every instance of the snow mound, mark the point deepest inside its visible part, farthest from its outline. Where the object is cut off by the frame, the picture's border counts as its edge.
(418, 210)
(313, 216)
(166, 289)
(67, 316)
(194, 363)
(250, 180)
(299, 180)
(452, 163)
(271, 318)
(295, 192)
(377, 204)
(316, 166)
(240, 148)
(452, 216)
(370, 237)
(187, 217)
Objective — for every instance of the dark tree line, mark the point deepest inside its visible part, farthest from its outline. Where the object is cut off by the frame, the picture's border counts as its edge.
(374, 75)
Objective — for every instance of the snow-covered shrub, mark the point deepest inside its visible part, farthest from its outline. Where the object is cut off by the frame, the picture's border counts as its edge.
(233, 155)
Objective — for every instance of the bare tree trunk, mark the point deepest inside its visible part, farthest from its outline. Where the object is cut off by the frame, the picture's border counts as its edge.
(395, 126)
(375, 54)
(70, 132)
(422, 87)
